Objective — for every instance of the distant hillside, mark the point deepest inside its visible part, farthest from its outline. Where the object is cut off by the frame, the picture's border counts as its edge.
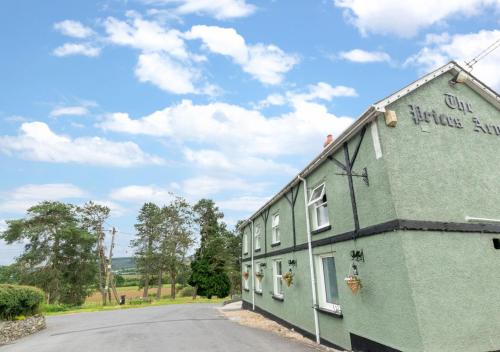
(124, 265)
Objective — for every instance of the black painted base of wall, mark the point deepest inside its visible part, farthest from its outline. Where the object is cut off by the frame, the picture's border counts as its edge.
(361, 344)
(358, 343)
(248, 306)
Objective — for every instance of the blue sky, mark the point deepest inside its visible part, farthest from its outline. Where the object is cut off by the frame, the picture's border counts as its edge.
(123, 102)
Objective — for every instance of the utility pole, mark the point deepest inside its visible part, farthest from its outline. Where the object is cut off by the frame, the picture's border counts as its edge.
(108, 276)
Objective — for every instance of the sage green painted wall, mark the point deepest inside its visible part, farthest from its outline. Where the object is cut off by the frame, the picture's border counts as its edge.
(455, 283)
(422, 291)
(445, 173)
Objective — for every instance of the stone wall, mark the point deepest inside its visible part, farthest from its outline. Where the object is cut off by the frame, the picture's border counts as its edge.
(13, 330)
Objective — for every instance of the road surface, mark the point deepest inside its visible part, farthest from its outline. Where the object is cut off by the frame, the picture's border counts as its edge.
(186, 327)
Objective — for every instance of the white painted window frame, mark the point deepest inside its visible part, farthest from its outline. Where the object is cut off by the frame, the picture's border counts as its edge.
(257, 236)
(246, 282)
(277, 278)
(245, 243)
(316, 203)
(276, 236)
(258, 283)
(333, 307)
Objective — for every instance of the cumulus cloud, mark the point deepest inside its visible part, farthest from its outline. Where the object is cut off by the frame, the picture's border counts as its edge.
(319, 91)
(245, 203)
(20, 199)
(164, 60)
(214, 159)
(140, 194)
(147, 36)
(234, 129)
(440, 48)
(205, 186)
(165, 73)
(266, 63)
(363, 56)
(36, 141)
(74, 29)
(407, 18)
(70, 49)
(220, 9)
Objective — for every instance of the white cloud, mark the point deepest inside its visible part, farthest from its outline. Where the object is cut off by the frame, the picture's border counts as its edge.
(439, 49)
(163, 60)
(20, 199)
(323, 91)
(318, 91)
(73, 29)
(266, 63)
(407, 18)
(69, 111)
(36, 141)
(141, 194)
(165, 73)
(147, 36)
(77, 49)
(204, 186)
(272, 100)
(235, 130)
(363, 56)
(245, 203)
(220, 9)
(213, 159)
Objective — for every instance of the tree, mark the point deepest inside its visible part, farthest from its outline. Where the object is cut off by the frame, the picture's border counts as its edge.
(8, 274)
(146, 242)
(58, 255)
(233, 243)
(209, 275)
(93, 216)
(176, 239)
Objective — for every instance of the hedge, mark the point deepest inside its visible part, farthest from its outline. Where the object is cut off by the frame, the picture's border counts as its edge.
(19, 300)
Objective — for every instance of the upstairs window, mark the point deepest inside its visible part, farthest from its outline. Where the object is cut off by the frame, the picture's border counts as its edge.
(319, 207)
(245, 243)
(276, 228)
(257, 238)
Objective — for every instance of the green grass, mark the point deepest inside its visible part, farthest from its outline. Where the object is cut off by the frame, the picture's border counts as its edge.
(54, 309)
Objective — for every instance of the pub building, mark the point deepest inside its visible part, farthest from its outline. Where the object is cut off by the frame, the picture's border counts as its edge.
(389, 240)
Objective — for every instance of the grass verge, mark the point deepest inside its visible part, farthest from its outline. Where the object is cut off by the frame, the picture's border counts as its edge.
(57, 309)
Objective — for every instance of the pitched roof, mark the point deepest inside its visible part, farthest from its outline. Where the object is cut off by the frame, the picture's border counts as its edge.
(372, 112)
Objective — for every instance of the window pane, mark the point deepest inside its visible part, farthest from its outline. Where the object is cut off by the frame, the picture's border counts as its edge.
(276, 220)
(278, 268)
(317, 194)
(322, 215)
(330, 278)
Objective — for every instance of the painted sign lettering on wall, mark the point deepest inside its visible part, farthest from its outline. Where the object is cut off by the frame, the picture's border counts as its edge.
(453, 102)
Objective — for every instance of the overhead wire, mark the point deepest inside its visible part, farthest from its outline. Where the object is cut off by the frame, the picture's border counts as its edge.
(485, 52)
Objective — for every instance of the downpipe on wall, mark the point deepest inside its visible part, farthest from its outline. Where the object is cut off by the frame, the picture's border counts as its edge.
(311, 263)
(253, 272)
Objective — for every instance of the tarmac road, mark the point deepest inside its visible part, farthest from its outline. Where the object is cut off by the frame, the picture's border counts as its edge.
(183, 327)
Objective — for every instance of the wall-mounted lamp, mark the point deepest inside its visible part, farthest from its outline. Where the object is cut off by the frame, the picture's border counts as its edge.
(460, 77)
(358, 255)
(292, 262)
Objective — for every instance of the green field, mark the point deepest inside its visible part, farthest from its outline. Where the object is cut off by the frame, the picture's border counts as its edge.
(53, 309)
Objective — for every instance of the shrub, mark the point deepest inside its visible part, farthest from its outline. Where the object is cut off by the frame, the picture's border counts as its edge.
(18, 300)
(187, 291)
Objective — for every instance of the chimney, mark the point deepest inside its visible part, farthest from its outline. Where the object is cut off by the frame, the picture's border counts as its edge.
(328, 140)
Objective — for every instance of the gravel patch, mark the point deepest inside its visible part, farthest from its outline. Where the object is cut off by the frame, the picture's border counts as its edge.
(254, 320)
